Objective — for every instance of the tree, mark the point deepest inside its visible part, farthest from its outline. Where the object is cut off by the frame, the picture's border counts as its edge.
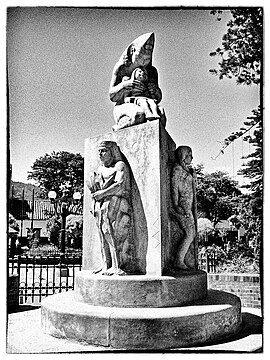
(253, 169)
(53, 171)
(242, 58)
(241, 50)
(241, 55)
(217, 195)
(249, 215)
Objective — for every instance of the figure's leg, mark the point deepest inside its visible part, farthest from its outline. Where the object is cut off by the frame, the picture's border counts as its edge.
(126, 115)
(153, 109)
(110, 242)
(163, 118)
(121, 231)
(116, 232)
(188, 227)
(105, 256)
(115, 267)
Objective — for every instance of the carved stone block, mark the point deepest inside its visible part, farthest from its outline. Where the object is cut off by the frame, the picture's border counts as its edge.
(149, 151)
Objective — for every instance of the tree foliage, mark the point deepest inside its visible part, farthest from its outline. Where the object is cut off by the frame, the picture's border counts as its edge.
(216, 195)
(52, 172)
(241, 49)
(241, 56)
(249, 212)
(253, 168)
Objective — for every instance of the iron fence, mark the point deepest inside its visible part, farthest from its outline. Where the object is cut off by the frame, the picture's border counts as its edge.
(41, 276)
(208, 262)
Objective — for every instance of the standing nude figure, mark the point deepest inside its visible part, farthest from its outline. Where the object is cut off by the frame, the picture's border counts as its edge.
(110, 192)
(184, 200)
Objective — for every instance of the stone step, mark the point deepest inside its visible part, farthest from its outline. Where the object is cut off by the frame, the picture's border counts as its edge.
(214, 318)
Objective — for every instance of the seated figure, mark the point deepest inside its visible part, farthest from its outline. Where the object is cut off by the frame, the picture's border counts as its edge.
(126, 112)
(142, 97)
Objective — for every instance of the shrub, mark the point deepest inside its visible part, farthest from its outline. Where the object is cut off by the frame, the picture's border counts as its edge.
(44, 250)
(239, 259)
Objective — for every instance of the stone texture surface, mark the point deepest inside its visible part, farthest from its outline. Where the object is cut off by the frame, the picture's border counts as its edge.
(140, 290)
(24, 336)
(148, 150)
(211, 319)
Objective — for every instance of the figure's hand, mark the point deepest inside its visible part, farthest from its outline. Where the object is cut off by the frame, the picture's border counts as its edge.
(90, 186)
(152, 88)
(133, 85)
(98, 195)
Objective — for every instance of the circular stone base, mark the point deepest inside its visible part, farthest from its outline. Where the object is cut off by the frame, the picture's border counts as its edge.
(181, 288)
(214, 318)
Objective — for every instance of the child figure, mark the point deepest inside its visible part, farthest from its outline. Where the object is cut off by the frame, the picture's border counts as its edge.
(143, 97)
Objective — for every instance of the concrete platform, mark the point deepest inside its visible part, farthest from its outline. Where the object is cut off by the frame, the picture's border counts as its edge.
(24, 336)
(181, 288)
(214, 318)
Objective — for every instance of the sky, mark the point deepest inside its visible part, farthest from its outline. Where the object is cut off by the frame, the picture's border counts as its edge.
(60, 62)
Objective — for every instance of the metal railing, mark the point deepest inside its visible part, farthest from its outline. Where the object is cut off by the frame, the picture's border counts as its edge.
(41, 276)
(207, 262)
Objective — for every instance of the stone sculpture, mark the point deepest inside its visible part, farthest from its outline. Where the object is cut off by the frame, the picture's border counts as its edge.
(162, 304)
(184, 202)
(134, 85)
(110, 192)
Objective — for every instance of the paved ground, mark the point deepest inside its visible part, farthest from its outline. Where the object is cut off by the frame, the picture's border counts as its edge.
(24, 336)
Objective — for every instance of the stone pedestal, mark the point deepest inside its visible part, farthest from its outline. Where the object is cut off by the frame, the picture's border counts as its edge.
(141, 290)
(213, 319)
(154, 307)
(149, 151)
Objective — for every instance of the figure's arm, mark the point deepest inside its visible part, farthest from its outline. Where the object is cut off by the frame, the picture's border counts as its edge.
(118, 88)
(180, 203)
(117, 186)
(93, 183)
(155, 92)
(153, 86)
(175, 188)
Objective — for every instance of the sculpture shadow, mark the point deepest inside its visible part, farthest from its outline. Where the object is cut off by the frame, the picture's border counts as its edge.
(136, 250)
(251, 325)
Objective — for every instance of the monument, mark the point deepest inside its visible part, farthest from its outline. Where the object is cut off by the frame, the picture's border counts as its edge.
(140, 287)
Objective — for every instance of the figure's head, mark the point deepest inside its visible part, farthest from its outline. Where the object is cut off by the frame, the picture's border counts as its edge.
(109, 152)
(139, 52)
(140, 74)
(184, 155)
